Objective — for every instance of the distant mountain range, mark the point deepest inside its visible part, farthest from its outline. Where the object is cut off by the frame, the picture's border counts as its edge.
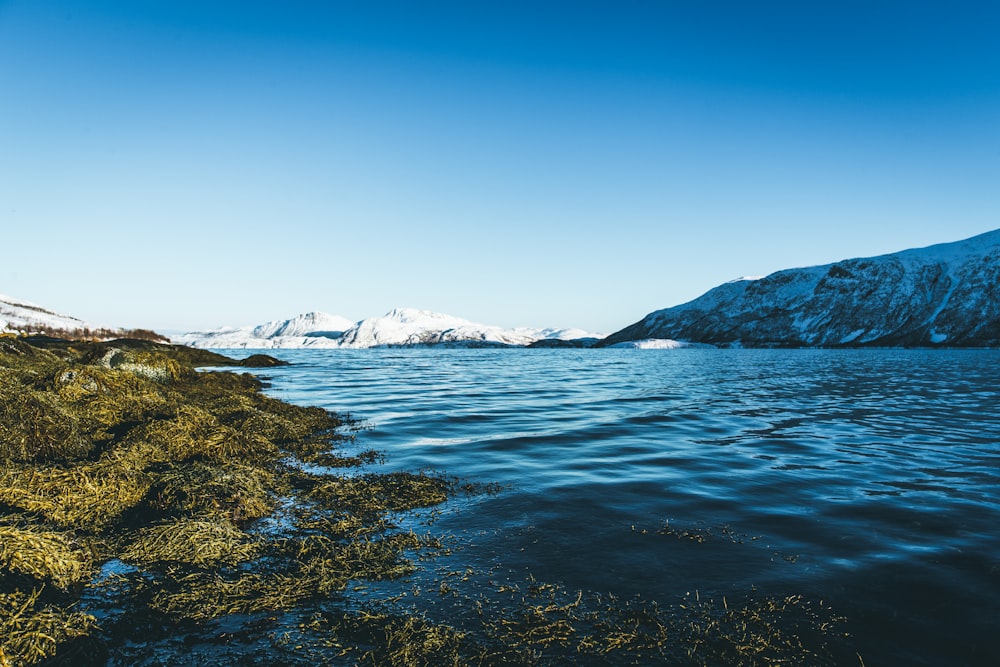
(942, 295)
(399, 327)
(945, 295)
(307, 330)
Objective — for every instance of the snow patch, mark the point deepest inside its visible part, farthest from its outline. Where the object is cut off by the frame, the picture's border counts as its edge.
(17, 315)
(657, 344)
(307, 324)
(852, 336)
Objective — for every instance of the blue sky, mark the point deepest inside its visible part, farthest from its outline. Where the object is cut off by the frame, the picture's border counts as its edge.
(188, 164)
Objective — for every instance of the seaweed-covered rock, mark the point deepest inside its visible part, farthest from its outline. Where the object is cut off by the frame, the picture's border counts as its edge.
(46, 556)
(262, 361)
(120, 452)
(37, 426)
(32, 631)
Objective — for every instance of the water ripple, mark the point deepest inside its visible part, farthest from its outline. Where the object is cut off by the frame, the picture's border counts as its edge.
(869, 477)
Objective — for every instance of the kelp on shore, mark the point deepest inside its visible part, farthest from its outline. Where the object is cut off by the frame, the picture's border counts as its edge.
(121, 453)
(143, 503)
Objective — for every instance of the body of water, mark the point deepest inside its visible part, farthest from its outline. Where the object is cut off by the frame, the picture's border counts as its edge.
(865, 479)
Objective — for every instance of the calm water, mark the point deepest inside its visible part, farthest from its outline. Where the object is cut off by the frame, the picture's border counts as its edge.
(866, 479)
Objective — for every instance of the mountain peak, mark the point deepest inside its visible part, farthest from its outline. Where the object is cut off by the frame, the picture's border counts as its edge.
(398, 327)
(944, 294)
(307, 324)
(417, 315)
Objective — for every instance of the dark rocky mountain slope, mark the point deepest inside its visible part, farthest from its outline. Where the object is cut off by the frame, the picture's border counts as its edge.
(942, 295)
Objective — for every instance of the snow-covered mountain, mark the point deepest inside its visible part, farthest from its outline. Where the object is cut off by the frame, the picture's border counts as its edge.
(19, 315)
(399, 327)
(408, 326)
(942, 295)
(307, 330)
(312, 325)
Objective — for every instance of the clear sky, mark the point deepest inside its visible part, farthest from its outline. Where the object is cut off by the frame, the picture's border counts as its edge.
(186, 164)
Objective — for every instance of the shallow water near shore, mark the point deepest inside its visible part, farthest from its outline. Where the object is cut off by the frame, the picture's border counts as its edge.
(868, 479)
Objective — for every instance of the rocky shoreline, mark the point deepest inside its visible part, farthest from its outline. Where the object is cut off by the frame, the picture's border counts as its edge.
(132, 490)
(154, 514)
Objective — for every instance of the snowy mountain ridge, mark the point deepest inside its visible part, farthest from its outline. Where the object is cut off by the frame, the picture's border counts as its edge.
(313, 324)
(314, 329)
(18, 315)
(944, 294)
(398, 327)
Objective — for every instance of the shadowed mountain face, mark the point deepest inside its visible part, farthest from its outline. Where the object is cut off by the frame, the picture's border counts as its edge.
(943, 295)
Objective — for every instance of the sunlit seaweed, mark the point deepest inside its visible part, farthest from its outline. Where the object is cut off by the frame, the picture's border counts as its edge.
(31, 632)
(381, 493)
(197, 434)
(45, 555)
(203, 596)
(90, 496)
(35, 426)
(202, 543)
(238, 491)
(106, 400)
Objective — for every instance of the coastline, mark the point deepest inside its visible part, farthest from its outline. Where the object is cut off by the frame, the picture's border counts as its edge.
(160, 514)
(134, 493)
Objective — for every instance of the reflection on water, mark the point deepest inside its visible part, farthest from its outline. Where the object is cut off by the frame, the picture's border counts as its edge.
(869, 479)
